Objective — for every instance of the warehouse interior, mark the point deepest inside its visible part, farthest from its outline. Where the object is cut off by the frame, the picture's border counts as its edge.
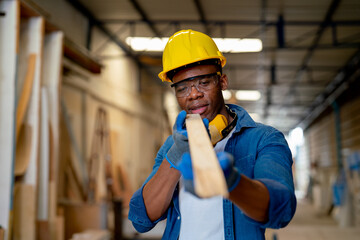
(83, 112)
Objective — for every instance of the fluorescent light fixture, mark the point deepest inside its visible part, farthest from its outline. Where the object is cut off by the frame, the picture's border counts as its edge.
(147, 44)
(226, 94)
(236, 45)
(248, 95)
(225, 45)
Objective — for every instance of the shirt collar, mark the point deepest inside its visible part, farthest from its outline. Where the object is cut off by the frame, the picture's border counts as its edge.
(243, 117)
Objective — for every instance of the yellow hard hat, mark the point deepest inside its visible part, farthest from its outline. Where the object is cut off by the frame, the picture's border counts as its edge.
(186, 47)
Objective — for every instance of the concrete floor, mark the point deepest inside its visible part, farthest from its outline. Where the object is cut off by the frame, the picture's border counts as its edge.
(307, 224)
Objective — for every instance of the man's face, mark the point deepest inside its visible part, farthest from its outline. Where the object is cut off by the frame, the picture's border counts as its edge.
(206, 103)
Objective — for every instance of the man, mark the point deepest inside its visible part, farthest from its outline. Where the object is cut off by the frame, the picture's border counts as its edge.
(257, 163)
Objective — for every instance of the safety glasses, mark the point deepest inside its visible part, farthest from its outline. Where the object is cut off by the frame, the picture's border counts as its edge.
(202, 83)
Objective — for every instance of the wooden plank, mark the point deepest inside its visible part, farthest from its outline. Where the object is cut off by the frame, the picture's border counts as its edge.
(23, 149)
(53, 219)
(82, 58)
(31, 39)
(25, 94)
(2, 233)
(24, 212)
(80, 217)
(208, 176)
(60, 227)
(74, 191)
(30, 42)
(43, 230)
(121, 186)
(43, 168)
(9, 24)
(51, 75)
(78, 163)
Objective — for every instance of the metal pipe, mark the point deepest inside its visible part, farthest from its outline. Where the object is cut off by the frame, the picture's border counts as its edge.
(336, 109)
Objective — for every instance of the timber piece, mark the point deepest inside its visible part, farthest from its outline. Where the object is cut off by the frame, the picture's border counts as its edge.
(43, 161)
(2, 233)
(24, 212)
(121, 185)
(8, 58)
(31, 39)
(25, 93)
(23, 150)
(43, 230)
(72, 185)
(81, 57)
(60, 227)
(208, 177)
(78, 162)
(80, 217)
(53, 225)
(50, 80)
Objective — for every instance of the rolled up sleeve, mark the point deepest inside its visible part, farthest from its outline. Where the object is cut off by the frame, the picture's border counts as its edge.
(137, 213)
(273, 169)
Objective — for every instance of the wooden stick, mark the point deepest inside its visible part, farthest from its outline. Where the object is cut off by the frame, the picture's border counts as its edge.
(23, 149)
(2, 233)
(26, 92)
(208, 177)
(24, 212)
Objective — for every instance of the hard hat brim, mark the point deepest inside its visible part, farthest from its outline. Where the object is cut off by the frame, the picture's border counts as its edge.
(163, 74)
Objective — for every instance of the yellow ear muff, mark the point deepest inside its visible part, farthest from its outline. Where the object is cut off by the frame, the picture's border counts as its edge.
(216, 126)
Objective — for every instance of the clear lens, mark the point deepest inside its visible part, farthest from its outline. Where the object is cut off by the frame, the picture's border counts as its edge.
(202, 83)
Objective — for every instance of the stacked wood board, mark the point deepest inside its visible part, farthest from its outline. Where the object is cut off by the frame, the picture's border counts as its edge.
(30, 66)
(8, 55)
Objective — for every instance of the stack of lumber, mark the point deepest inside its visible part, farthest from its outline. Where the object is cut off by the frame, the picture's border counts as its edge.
(33, 66)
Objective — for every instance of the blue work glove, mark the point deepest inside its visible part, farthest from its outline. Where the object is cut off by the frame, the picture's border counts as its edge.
(231, 173)
(181, 143)
(226, 162)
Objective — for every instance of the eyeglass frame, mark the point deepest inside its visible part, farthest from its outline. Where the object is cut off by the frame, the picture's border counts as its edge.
(194, 77)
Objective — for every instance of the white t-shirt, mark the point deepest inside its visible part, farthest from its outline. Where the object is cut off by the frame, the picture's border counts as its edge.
(202, 218)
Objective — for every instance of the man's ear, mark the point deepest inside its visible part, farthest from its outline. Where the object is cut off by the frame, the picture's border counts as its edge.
(224, 82)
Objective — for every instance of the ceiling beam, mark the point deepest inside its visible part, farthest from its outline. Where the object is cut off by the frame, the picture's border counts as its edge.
(280, 31)
(145, 18)
(343, 80)
(91, 18)
(201, 13)
(281, 67)
(236, 22)
(330, 12)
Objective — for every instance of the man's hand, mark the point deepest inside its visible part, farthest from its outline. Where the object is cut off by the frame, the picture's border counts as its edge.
(181, 142)
(226, 162)
(231, 173)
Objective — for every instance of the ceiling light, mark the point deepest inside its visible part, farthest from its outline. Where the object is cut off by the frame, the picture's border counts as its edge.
(225, 45)
(147, 44)
(236, 45)
(248, 95)
(226, 94)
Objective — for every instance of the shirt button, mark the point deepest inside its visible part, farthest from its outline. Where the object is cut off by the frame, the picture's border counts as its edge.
(178, 218)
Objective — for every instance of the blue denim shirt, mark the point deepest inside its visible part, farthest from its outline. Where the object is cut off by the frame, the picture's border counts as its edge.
(260, 152)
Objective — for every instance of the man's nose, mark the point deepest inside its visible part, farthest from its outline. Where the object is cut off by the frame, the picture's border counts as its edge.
(194, 91)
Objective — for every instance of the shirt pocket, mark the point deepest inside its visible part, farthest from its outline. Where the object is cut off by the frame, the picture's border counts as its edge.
(245, 164)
